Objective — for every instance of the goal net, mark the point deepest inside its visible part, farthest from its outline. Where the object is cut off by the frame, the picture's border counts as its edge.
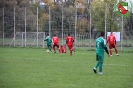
(32, 39)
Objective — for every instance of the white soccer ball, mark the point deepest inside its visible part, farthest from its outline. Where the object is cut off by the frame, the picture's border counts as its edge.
(47, 51)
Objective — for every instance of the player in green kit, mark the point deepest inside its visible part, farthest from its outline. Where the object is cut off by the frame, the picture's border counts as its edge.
(100, 47)
(49, 42)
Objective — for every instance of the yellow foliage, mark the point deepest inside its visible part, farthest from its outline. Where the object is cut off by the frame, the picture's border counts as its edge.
(43, 18)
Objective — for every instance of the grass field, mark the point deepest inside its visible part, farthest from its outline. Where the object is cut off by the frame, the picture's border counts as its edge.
(35, 68)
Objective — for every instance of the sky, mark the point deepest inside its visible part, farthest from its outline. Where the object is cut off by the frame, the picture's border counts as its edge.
(128, 1)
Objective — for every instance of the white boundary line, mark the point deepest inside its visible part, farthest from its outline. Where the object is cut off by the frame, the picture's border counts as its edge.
(117, 65)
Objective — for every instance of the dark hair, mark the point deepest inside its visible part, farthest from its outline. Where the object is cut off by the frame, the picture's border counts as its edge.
(102, 33)
(68, 34)
(47, 34)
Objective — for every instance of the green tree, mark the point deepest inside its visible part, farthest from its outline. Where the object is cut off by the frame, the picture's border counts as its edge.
(19, 6)
(99, 9)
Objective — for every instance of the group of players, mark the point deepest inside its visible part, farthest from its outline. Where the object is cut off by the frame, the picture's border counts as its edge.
(54, 42)
(101, 46)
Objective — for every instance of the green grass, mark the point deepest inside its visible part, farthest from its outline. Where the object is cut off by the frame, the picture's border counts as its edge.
(34, 68)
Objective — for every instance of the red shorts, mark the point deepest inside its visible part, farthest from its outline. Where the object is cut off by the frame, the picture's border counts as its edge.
(56, 45)
(111, 46)
(70, 47)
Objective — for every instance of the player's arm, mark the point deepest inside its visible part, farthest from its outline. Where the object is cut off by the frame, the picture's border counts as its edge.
(107, 40)
(52, 41)
(45, 39)
(115, 40)
(66, 40)
(73, 40)
(105, 48)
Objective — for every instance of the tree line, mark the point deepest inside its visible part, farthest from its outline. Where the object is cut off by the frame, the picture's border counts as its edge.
(69, 11)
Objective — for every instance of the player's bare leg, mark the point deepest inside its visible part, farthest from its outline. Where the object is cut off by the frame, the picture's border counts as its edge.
(59, 50)
(116, 51)
(54, 49)
(70, 52)
(71, 49)
(110, 51)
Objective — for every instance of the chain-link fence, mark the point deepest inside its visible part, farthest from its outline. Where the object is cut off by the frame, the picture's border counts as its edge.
(28, 26)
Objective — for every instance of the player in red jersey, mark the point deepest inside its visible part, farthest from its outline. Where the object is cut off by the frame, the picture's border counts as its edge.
(70, 42)
(63, 49)
(55, 41)
(111, 40)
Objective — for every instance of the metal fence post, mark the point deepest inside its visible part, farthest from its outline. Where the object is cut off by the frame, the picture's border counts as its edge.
(37, 26)
(90, 26)
(3, 27)
(25, 27)
(62, 23)
(122, 33)
(105, 19)
(75, 27)
(49, 21)
(14, 28)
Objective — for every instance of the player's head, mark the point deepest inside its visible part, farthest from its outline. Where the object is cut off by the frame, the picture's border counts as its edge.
(102, 34)
(54, 34)
(47, 34)
(68, 34)
(111, 32)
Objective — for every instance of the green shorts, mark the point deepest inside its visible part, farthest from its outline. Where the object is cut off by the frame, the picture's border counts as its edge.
(49, 45)
(99, 58)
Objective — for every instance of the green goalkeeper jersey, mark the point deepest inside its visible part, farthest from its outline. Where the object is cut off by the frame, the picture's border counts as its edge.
(48, 40)
(100, 44)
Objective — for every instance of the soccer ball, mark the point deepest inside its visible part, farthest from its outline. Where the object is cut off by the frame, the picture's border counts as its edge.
(47, 51)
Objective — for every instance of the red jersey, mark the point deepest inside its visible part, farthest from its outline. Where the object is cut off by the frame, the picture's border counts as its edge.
(55, 40)
(69, 40)
(63, 49)
(111, 39)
